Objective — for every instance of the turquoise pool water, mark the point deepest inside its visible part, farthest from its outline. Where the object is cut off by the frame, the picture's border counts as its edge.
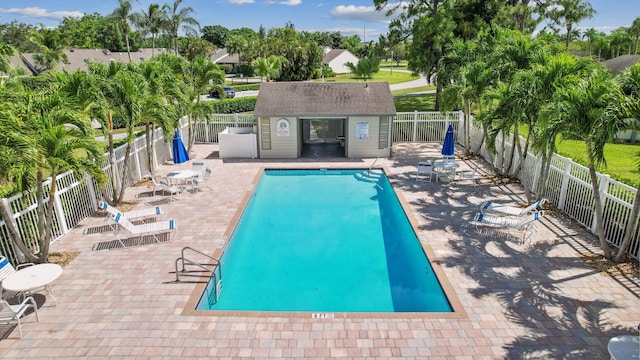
(324, 241)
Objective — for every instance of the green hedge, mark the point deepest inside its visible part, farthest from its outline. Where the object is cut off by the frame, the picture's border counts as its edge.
(246, 87)
(236, 105)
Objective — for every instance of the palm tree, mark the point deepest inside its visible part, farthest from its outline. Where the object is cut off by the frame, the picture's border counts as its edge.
(51, 45)
(630, 84)
(60, 139)
(635, 33)
(587, 110)
(268, 68)
(176, 18)
(590, 35)
(6, 50)
(122, 16)
(152, 21)
(568, 13)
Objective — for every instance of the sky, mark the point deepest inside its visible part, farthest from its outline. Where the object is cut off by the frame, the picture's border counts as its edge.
(349, 17)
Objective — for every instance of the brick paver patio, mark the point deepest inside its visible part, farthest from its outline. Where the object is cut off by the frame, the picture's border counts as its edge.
(536, 300)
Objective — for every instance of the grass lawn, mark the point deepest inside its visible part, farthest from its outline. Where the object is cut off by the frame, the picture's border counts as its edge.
(382, 75)
(422, 102)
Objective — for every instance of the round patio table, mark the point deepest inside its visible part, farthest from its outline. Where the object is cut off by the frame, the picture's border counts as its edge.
(624, 347)
(32, 278)
(182, 176)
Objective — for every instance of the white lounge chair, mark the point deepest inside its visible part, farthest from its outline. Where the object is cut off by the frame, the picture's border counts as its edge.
(425, 170)
(12, 313)
(523, 224)
(491, 207)
(154, 229)
(131, 215)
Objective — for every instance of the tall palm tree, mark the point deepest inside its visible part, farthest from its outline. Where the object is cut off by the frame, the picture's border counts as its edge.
(122, 16)
(177, 18)
(152, 21)
(630, 84)
(568, 13)
(60, 140)
(52, 45)
(635, 33)
(6, 50)
(587, 110)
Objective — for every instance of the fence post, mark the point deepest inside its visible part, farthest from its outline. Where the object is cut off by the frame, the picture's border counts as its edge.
(92, 190)
(562, 198)
(15, 254)
(415, 125)
(604, 185)
(136, 155)
(57, 207)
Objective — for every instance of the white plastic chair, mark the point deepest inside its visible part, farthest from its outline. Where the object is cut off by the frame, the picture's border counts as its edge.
(197, 166)
(469, 175)
(164, 186)
(7, 269)
(425, 170)
(12, 313)
(202, 180)
(152, 229)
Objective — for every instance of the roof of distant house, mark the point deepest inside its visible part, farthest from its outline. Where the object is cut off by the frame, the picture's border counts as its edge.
(324, 99)
(334, 53)
(222, 56)
(620, 63)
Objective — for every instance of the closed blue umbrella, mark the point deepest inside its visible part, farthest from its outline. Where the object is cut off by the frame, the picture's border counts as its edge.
(448, 148)
(180, 154)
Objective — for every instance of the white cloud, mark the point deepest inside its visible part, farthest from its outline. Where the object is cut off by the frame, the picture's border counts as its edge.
(362, 13)
(36, 12)
(240, 2)
(284, 2)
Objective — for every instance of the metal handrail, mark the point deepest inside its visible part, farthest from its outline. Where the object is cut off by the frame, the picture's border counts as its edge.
(184, 260)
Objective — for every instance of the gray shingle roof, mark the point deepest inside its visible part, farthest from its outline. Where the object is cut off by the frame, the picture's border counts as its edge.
(324, 99)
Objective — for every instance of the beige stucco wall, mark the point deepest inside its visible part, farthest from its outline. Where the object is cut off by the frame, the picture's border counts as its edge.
(283, 146)
(358, 147)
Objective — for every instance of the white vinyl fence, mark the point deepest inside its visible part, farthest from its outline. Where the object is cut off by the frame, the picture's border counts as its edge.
(568, 185)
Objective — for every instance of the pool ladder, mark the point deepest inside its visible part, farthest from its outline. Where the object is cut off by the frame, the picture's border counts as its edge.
(206, 272)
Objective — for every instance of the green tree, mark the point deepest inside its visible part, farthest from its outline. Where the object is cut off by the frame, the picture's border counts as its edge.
(60, 139)
(6, 50)
(216, 34)
(268, 68)
(630, 84)
(635, 33)
(18, 35)
(151, 22)
(177, 18)
(568, 13)
(52, 45)
(588, 110)
(122, 16)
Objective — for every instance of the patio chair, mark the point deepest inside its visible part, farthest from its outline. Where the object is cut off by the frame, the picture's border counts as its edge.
(12, 313)
(425, 170)
(202, 180)
(522, 224)
(131, 215)
(490, 207)
(469, 175)
(7, 269)
(154, 230)
(164, 186)
(197, 166)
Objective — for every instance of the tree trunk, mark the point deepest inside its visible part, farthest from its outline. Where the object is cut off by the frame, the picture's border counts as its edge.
(632, 224)
(42, 218)
(126, 38)
(147, 138)
(125, 171)
(43, 254)
(467, 128)
(14, 233)
(606, 250)
(113, 200)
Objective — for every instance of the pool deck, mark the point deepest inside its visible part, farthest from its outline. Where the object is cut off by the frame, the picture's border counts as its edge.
(536, 300)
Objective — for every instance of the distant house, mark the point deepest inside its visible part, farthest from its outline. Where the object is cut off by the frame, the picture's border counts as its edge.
(337, 58)
(620, 63)
(77, 59)
(294, 115)
(224, 58)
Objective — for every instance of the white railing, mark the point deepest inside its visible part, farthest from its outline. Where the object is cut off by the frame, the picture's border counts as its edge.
(568, 185)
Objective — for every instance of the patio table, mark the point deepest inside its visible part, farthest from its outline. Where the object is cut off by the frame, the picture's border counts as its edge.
(182, 177)
(448, 168)
(624, 347)
(29, 279)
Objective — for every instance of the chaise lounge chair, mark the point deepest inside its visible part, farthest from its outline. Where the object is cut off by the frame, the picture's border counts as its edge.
(501, 209)
(523, 224)
(140, 232)
(144, 213)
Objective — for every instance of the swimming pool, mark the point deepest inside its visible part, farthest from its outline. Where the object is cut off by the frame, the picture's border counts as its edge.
(324, 241)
